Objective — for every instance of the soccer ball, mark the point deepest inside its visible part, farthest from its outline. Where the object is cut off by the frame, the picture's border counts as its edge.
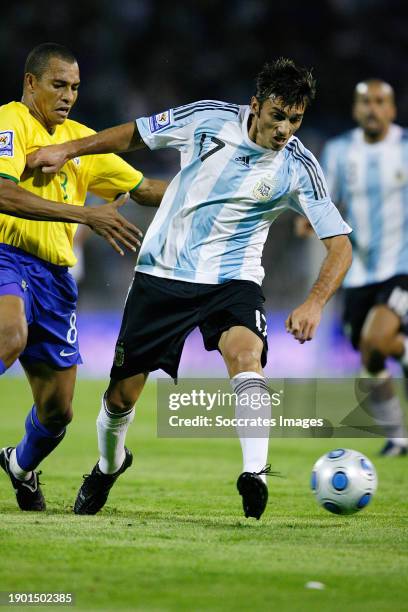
(343, 481)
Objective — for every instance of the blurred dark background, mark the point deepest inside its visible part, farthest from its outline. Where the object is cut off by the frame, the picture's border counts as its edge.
(142, 56)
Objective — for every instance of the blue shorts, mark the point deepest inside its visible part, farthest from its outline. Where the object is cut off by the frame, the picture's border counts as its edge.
(50, 296)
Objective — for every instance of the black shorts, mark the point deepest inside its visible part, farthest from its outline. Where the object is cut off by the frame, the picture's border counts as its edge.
(359, 301)
(160, 313)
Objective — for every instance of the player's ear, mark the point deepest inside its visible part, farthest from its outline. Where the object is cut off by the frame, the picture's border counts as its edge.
(255, 106)
(29, 81)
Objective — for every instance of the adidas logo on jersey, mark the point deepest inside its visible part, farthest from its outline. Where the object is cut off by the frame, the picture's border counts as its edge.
(244, 160)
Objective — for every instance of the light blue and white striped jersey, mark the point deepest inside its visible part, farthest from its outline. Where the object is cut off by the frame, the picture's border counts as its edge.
(370, 182)
(215, 215)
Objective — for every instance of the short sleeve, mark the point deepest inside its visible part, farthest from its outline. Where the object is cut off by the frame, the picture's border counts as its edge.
(13, 143)
(310, 196)
(175, 127)
(110, 175)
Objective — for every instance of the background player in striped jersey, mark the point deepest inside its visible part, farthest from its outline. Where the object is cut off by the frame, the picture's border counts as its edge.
(37, 293)
(200, 263)
(367, 174)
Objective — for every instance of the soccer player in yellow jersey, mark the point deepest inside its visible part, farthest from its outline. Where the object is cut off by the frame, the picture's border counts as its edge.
(37, 294)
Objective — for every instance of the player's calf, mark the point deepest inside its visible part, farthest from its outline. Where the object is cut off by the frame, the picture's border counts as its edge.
(38, 442)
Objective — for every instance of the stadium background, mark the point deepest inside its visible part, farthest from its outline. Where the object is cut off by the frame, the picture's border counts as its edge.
(138, 57)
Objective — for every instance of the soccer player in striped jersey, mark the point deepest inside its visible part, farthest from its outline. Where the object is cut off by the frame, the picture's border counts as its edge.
(37, 293)
(367, 174)
(200, 263)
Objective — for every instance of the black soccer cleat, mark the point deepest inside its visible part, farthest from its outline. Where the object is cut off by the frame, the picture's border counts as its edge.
(390, 449)
(95, 489)
(28, 492)
(254, 491)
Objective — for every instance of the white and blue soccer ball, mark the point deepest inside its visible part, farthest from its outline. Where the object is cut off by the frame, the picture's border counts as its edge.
(344, 481)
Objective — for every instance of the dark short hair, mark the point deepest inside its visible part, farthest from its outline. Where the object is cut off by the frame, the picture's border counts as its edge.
(38, 58)
(295, 85)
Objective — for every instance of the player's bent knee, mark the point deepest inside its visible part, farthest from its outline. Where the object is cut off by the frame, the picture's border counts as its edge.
(57, 422)
(243, 360)
(119, 400)
(56, 414)
(61, 420)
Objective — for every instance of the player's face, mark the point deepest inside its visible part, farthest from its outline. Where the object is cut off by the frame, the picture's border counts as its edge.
(273, 123)
(52, 96)
(374, 109)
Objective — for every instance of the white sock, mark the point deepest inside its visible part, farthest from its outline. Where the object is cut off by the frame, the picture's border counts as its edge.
(250, 387)
(16, 470)
(384, 406)
(112, 429)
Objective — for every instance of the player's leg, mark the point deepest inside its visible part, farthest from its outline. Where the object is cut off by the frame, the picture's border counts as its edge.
(49, 359)
(234, 322)
(242, 349)
(13, 338)
(53, 392)
(380, 339)
(115, 416)
(45, 427)
(157, 318)
(13, 327)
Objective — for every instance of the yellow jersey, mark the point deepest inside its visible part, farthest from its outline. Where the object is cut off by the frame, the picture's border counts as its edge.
(103, 175)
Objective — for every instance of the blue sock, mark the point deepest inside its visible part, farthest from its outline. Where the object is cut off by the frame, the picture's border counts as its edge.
(2, 367)
(37, 443)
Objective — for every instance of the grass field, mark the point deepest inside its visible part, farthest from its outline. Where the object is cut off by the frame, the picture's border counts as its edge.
(173, 537)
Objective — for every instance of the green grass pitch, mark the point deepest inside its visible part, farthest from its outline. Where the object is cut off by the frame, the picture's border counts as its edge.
(173, 537)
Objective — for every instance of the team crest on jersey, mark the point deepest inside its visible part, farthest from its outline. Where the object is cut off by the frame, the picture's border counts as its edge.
(76, 160)
(264, 188)
(7, 143)
(160, 121)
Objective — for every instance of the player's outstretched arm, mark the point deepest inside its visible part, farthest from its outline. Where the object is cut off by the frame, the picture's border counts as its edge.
(304, 320)
(150, 192)
(117, 139)
(105, 220)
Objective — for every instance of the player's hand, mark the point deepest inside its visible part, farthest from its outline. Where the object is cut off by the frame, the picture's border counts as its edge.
(303, 227)
(50, 159)
(304, 320)
(106, 221)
